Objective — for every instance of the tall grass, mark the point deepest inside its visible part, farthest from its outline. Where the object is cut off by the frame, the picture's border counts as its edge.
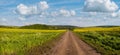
(18, 41)
(106, 41)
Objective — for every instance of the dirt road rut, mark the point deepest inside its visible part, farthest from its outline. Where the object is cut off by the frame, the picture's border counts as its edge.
(72, 45)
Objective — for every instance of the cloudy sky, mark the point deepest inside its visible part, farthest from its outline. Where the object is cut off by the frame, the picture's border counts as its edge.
(60, 12)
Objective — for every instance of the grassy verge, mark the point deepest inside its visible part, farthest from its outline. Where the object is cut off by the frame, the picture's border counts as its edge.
(105, 42)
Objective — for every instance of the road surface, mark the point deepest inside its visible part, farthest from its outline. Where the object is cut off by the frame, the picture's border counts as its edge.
(72, 45)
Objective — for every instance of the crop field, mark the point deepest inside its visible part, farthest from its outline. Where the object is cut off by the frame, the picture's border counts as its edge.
(39, 42)
(104, 40)
(19, 41)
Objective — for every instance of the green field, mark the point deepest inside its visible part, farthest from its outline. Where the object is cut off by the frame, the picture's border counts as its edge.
(104, 40)
(19, 41)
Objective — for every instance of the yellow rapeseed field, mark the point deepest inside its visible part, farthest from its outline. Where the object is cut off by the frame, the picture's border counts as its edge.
(28, 30)
(97, 29)
(19, 41)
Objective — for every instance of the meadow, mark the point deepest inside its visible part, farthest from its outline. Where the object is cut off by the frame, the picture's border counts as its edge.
(20, 41)
(105, 40)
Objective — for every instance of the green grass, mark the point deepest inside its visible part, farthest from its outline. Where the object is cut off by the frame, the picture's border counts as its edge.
(105, 42)
(18, 42)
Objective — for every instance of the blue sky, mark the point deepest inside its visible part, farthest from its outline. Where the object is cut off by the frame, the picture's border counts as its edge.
(60, 12)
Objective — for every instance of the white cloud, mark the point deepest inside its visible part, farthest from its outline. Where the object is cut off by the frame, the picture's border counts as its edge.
(31, 10)
(23, 9)
(3, 19)
(43, 5)
(52, 20)
(100, 6)
(26, 10)
(43, 14)
(93, 13)
(114, 14)
(67, 13)
(21, 18)
(64, 12)
(40, 10)
(54, 13)
(73, 12)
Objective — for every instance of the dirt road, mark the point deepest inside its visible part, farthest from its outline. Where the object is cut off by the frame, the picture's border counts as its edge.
(72, 45)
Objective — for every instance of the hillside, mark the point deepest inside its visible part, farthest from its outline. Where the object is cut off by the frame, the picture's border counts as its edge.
(3, 26)
(56, 27)
(43, 26)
